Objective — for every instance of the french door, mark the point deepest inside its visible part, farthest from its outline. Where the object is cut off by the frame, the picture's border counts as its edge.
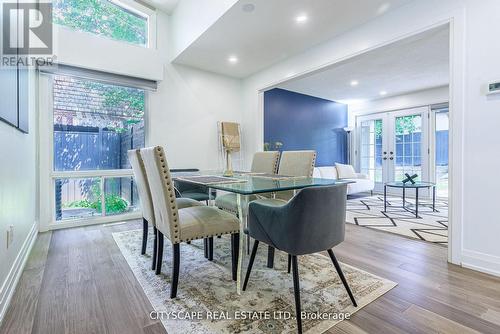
(392, 144)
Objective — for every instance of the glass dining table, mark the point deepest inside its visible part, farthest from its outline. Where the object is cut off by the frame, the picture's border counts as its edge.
(245, 185)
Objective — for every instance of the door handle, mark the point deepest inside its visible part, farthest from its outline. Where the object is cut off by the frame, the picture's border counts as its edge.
(384, 158)
(391, 158)
(391, 153)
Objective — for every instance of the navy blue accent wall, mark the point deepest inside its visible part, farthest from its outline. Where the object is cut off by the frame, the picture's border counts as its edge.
(303, 122)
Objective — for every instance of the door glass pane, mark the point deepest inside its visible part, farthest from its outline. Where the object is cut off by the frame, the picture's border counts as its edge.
(408, 142)
(371, 149)
(441, 145)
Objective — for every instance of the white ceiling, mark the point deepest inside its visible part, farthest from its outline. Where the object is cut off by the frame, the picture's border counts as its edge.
(167, 6)
(270, 33)
(416, 63)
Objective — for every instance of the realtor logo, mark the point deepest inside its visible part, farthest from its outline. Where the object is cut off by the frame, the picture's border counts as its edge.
(27, 28)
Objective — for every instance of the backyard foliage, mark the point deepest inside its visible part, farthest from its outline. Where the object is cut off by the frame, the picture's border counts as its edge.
(113, 203)
(404, 125)
(101, 17)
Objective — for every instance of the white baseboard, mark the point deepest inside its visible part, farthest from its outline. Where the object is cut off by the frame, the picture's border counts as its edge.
(485, 263)
(10, 283)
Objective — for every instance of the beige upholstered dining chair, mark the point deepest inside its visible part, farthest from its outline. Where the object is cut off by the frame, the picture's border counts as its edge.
(295, 163)
(182, 225)
(148, 217)
(262, 162)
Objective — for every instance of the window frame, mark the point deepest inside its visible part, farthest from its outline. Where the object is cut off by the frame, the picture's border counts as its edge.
(48, 175)
(136, 8)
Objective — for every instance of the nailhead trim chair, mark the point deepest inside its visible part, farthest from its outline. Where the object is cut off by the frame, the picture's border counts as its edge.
(312, 221)
(141, 182)
(182, 225)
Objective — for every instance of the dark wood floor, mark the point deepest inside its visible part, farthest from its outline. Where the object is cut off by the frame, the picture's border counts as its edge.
(76, 281)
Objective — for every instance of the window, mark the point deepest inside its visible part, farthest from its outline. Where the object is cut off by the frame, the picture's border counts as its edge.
(95, 124)
(103, 17)
(442, 126)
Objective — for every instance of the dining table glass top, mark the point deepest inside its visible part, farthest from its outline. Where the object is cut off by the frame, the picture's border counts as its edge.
(252, 183)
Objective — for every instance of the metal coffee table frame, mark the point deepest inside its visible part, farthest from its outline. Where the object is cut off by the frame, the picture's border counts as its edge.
(415, 186)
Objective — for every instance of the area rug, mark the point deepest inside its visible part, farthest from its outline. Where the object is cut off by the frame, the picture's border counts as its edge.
(431, 226)
(207, 301)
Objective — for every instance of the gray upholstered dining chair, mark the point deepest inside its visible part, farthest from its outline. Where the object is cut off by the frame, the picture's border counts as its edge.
(141, 182)
(292, 163)
(263, 162)
(183, 225)
(312, 221)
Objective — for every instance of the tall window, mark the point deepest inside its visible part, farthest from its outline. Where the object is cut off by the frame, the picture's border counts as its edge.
(102, 17)
(95, 124)
(442, 127)
(371, 149)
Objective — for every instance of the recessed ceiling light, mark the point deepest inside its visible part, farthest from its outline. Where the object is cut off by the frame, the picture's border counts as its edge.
(248, 7)
(383, 8)
(232, 59)
(302, 18)
(383, 92)
(354, 83)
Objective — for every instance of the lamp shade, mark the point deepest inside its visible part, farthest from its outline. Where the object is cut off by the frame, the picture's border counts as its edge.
(230, 136)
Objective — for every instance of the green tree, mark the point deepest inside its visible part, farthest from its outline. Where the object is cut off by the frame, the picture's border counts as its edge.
(101, 17)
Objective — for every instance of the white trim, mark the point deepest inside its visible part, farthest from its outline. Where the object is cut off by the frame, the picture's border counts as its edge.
(10, 283)
(94, 221)
(481, 262)
(92, 173)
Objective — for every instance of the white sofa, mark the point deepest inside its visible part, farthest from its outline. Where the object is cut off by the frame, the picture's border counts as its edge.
(361, 183)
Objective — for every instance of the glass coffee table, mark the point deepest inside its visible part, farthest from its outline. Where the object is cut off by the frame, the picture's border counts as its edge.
(417, 185)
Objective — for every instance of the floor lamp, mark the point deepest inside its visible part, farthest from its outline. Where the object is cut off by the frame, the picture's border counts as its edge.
(348, 130)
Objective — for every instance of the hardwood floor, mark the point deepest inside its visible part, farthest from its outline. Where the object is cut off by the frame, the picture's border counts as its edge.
(76, 281)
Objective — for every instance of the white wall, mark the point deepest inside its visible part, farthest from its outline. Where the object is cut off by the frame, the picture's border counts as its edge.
(183, 114)
(404, 101)
(18, 196)
(87, 50)
(475, 118)
(191, 18)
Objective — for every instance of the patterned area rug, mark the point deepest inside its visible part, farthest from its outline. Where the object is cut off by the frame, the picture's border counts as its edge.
(267, 306)
(430, 226)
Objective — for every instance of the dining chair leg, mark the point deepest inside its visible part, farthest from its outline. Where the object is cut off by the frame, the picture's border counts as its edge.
(342, 278)
(159, 256)
(155, 246)
(235, 247)
(296, 292)
(205, 247)
(211, 249)
(144, 235)
(289, 262)
(175, 270)
(250, 263)
(270, 257)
